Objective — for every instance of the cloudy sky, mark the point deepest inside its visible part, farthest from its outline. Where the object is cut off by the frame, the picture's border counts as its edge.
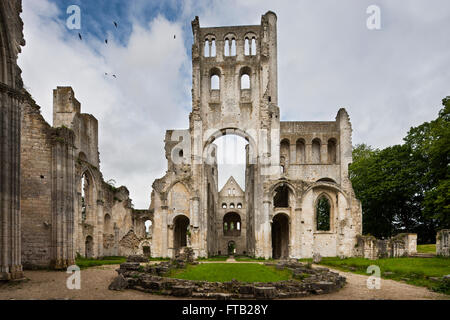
(388, 79)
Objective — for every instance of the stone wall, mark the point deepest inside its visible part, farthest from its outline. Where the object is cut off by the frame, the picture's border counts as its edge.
(443, 243)
(402, 245)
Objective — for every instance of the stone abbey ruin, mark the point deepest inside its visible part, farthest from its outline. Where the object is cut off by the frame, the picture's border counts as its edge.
(297, 201)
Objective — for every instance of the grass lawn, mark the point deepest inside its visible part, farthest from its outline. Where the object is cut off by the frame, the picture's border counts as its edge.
(426, 248)
(216, 258)
(415, 271)
(223, 272)
(246, 258)
(84, 263)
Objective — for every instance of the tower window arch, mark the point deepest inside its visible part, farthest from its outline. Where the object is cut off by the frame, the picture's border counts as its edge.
(253, 47)
(207, 49)
(332, 151)
(316, 145)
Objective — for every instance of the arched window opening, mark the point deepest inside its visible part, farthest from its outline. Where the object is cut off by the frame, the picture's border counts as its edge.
(224, 205)
(239, 206)
(148, 228)
(245, 82)
(215, 82)
(323, 214)
(232, 225)
(332, 151)
(227, 48)
(280, 236)
(247, 47)
(316, 158)
(233, 47)
(281, 198)
(207, 51)
(213, 48)
(253, 47)
(300, 151)
(231, 205)
(86, 196)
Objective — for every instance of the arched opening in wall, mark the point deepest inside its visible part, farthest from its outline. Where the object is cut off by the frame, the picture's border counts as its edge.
(148, 228)
(87, 193)
(146, 251)
(247, 47)
(253, 47)
(89, 247)
(232, 225)
(323, 214)
(213, 48)
(281, 198)
(300, 151)
(332, 149)
(233, 47)
(181, 231)
(107, 225)
(215, 82)
(280, 236)
(285, 147)
(239, 205)
(207, 49)
(224, 205)
(316, 158)
(245, 78)
(226, 49)
(231, 248)
(231, 162)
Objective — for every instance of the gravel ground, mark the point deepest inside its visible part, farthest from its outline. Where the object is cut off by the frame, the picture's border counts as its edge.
(51, 285)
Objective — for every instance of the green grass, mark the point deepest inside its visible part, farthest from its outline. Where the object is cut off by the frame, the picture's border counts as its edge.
(415, 271)
(224, 272)
(251, 259)
(426, 248)
(84, 263)
(215, 258)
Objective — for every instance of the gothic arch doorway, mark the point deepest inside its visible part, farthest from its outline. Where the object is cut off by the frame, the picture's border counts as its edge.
(231, 248)
(180, 232)
(280, 236)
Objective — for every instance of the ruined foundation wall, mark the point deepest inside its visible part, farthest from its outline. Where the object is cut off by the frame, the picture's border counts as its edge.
(443, 243)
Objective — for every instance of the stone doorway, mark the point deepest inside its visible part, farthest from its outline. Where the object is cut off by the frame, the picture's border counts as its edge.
(89, 247)
(146, 251)
(231, 248)
(280, 237)
(180, 232)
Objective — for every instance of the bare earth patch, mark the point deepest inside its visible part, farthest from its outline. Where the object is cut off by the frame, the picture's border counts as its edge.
(49, 285)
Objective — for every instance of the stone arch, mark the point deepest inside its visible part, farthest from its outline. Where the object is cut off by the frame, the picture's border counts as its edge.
(280, 236)
(88, 195)
(215, 75)
(178, 198)
(232, 224)
(273, 190)
(316, 151)
(245, 74)
(145, 248)
(181, 225)
(285, 150)
(208, 148)
(323, 217)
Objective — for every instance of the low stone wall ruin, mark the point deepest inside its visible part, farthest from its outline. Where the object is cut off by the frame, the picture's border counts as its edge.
(150, 279)
(402, 245)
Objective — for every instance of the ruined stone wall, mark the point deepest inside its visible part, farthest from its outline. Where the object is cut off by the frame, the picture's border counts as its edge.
(402, 245)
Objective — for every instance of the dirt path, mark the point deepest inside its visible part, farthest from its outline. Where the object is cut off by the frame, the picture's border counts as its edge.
(46, 285)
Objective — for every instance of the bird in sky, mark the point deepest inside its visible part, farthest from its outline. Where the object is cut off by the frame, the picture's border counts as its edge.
(106, 41)
(115, 24)
(114, 76)
(79, 35)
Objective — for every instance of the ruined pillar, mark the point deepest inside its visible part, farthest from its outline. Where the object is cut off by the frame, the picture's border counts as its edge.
(11, 38)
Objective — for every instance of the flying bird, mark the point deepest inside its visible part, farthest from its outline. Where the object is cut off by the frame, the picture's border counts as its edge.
(79, 35)
(106, 41)
(174, 36)
(115, 24)
(114, 76)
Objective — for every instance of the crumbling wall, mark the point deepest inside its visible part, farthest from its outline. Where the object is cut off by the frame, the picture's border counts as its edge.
(443, 243)
(402, 245)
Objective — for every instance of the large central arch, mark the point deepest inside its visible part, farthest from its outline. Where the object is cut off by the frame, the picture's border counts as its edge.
(180, 233)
